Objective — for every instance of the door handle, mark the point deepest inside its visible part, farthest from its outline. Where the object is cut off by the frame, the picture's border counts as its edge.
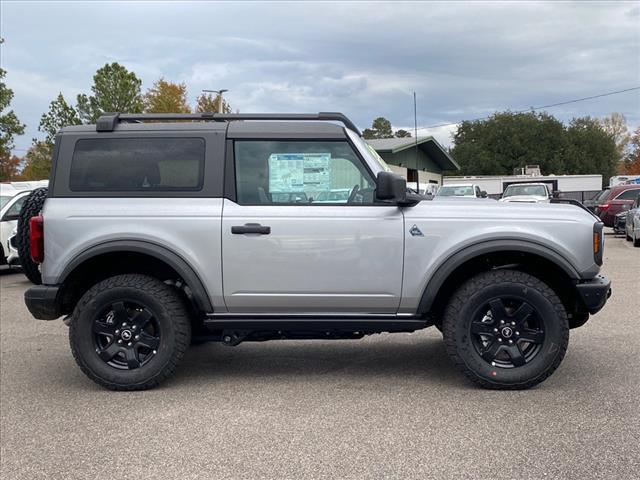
(250, 228)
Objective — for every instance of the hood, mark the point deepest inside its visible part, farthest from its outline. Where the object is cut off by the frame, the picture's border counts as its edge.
(483, 208)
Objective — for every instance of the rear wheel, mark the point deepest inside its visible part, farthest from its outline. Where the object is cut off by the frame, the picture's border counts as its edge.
(129, 332)
(506, 330)
(31, 207)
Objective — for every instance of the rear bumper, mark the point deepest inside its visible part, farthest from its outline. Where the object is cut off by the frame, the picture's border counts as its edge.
(42, 302)
(595, 293)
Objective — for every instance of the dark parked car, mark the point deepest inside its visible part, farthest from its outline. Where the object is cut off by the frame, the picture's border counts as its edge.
(620, 222)
(610, 201)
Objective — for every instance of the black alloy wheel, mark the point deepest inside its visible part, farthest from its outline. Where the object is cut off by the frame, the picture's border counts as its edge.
(507, 332)
(130, 332)
(506, 329)
(126, 335)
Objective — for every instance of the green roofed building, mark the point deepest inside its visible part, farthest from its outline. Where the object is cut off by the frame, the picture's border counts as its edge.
(421, 162)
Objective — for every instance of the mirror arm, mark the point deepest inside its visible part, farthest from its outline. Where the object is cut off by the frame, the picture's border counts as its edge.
(410, 200)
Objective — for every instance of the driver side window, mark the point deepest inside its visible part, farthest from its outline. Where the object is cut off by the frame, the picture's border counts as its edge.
(300, 173)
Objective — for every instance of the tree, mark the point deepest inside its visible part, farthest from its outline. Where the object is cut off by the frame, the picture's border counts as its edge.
(166, 97)
(115, 89)
(506, 141)
(9, 167)
(402, 133)
(60, 114)
(10, 126)
(38, 161)
(631, 163)
(590, 149)
(380, 128)
(208, 102)
(616, 126)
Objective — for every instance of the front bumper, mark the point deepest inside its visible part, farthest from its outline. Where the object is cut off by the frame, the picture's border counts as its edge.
(595, 293)
(42, 301)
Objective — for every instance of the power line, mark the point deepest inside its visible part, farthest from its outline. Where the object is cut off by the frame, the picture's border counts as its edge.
(567, 102)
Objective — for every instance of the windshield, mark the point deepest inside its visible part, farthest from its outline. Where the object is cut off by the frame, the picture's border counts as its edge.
(372, 151)
(4, 199)
(536, 190)
(455, 191)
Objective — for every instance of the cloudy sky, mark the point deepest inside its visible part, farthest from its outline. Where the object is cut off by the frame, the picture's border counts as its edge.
(463, 59)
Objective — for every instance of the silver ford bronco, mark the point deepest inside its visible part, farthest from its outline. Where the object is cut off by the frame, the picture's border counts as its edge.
(162, 230)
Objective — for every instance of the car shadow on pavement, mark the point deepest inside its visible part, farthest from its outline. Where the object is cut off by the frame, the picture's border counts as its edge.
(4, 270)
(423, 357)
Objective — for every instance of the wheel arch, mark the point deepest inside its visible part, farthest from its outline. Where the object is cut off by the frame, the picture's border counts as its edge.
(140, 252)
(491, 254)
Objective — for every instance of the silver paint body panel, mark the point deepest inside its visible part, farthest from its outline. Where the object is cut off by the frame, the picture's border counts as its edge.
(349, 259)
(316, 259)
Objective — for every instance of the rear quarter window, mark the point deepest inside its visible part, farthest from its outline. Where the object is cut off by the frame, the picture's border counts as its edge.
(630, 194)
(137, 165)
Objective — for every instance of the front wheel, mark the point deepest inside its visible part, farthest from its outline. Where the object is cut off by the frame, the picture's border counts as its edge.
(129, 332)
(506, 329)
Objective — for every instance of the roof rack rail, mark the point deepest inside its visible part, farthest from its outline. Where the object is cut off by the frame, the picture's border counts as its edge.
(108, 121)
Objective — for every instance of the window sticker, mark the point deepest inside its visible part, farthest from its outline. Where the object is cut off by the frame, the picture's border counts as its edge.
(299, 172)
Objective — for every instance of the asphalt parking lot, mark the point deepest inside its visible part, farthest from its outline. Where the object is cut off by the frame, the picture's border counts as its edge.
(387, 406)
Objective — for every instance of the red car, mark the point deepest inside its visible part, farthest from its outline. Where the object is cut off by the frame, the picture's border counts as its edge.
(610, 201)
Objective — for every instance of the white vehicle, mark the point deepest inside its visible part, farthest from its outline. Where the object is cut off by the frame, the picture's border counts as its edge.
(12, 196)
(527, 193)
(461, 190)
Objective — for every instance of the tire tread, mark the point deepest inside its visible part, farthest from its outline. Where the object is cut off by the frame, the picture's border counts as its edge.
(458, 300)
(171, 301)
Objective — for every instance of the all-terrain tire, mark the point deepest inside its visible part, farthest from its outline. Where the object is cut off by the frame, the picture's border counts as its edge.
(169, 313)
(516, 286)
(30, 208)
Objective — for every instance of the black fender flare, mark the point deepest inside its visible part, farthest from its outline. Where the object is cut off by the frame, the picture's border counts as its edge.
(491, 246)
(162, 253)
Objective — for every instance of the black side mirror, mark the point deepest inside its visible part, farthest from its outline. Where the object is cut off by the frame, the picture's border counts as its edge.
(483, 194)
(390, 186)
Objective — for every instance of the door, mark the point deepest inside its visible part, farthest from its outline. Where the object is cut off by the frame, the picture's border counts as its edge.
(304, 233)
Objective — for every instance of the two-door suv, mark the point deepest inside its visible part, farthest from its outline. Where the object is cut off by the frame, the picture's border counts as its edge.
(159, 230)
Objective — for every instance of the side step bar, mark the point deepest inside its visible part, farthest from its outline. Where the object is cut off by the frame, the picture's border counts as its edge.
(233, 330)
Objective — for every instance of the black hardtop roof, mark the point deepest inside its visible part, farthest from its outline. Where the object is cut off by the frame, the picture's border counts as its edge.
(238, 122)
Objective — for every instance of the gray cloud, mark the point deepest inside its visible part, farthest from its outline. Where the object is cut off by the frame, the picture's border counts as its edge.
(464, 59)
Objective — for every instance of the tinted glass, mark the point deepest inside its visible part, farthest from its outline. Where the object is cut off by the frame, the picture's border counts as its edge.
(628, 194)
(14, 210)
(137, 164)
(4, 199)
(455, 191)
(300, 172)
(602, 195)
(535, 190)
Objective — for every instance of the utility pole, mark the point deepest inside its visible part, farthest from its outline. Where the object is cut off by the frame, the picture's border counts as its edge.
(415, 134)
(219, 92)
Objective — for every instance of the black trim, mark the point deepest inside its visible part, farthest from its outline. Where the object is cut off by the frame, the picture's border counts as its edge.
(109, 121)
(594, 293)
(42, 301)
(317, 323)
(186, 272)
(491, 246)
(571, 201)
(212, 185)
(229, 171)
